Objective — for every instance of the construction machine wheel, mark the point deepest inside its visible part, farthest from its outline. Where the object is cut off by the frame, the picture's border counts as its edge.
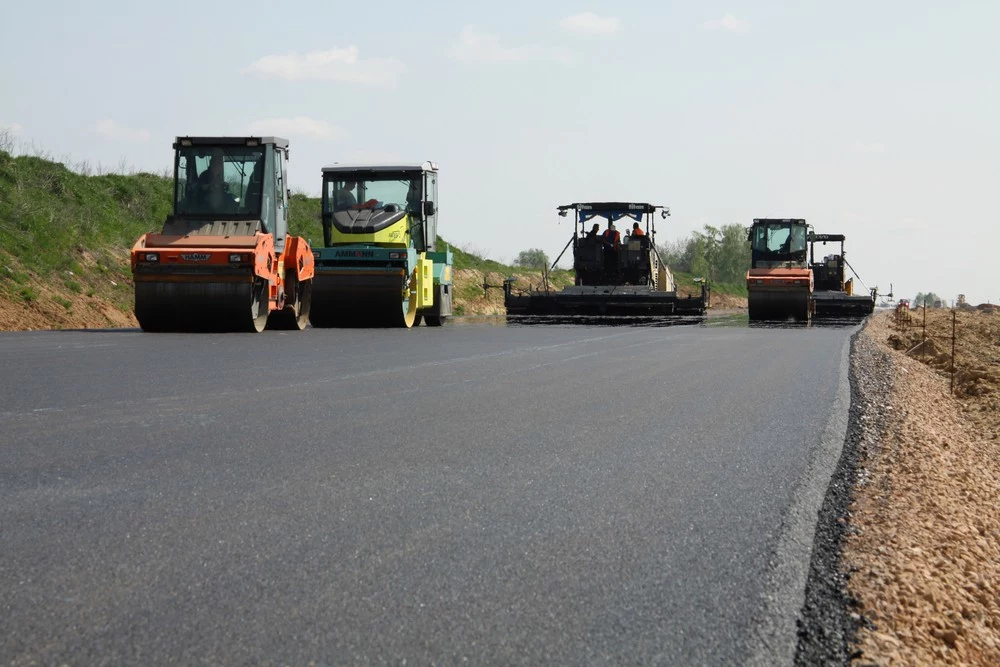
(406, 316)
(442, 307)
(325, 321)
(777, 306)
(201, 306)
(152, 322)
(435, 320)
(258, 312)
(295, 315)
(365, 301)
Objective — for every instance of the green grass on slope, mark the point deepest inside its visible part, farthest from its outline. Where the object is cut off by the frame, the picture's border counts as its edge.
(48, 214)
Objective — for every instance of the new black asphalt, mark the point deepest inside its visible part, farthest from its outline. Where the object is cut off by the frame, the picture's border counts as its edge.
(481, 493)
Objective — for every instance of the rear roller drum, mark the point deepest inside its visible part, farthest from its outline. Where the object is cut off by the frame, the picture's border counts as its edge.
(295, 315)
(435, 320)
(442, 307)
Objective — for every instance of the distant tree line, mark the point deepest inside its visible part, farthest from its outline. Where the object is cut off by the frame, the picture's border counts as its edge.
(720, 254)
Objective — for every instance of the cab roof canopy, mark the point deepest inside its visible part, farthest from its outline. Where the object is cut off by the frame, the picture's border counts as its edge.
(793, 221)
(607, 207)
(337, 167)
(230, 141)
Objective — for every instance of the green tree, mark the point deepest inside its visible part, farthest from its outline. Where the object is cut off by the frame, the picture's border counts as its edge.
(720, 254)
(732, 257)
(675, 254)
(532, 259)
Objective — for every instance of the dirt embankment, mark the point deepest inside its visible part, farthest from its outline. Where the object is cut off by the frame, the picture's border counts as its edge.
(924, 552)
(96, 296)
(726, 301)
(471, 298)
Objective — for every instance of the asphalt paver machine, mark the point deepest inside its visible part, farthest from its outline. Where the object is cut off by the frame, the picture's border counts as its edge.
(617, 276)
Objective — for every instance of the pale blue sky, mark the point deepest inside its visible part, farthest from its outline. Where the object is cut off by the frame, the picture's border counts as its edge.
(875, 119)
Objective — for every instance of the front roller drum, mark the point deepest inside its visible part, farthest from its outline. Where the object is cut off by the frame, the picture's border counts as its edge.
(363, 300)
(778, 306)
(201, 306)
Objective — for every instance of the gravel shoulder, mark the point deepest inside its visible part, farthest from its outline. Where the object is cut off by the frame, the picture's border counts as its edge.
(921, 543)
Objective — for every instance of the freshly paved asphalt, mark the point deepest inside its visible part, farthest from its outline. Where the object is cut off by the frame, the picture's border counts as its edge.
(529, 495)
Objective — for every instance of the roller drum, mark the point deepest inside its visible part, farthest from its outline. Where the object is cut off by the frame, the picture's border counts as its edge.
(361, 300)
(201, 306)
(778, 305)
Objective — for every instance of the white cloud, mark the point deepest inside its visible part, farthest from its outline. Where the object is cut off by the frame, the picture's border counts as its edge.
(728, 23)
(343, 65)
(298, 126)
(861, 147)
(114, 130)
(475, 46)
(589, 24)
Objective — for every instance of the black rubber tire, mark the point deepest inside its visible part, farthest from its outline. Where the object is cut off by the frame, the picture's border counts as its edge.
(435, 320)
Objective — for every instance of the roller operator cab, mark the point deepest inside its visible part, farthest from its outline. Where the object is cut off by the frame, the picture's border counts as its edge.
(381, 264)
(224, 259)
(780, 281)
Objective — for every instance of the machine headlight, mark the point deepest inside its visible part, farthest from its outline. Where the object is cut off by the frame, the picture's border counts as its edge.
(315, 254)
(152, 257)
(235, 259)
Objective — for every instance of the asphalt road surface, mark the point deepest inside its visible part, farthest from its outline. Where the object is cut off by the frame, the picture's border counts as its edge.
(481, 493)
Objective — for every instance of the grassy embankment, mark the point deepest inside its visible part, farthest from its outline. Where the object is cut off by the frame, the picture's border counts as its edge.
(65, 239)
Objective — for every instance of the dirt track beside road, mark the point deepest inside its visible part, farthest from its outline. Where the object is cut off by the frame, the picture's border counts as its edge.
(924, 548)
